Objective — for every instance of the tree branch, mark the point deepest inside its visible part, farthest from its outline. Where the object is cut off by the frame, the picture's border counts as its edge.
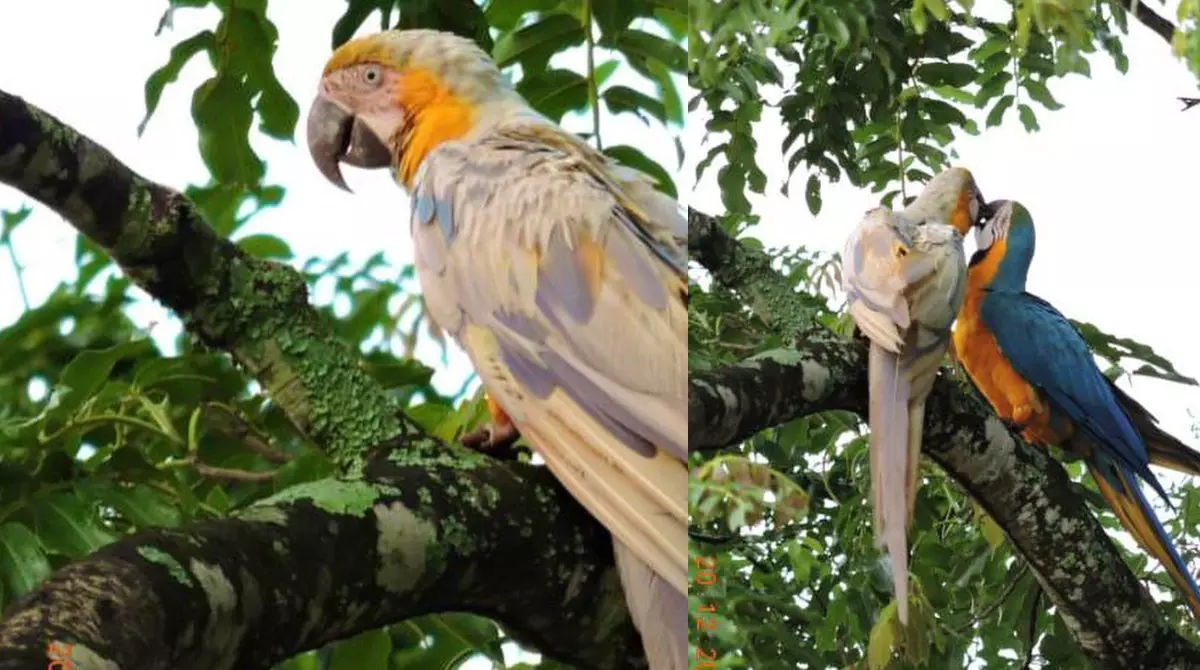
(1110, 614)
(331, 559)
(434, 528)
(747, 272)
(257, 310)
(1152, 20)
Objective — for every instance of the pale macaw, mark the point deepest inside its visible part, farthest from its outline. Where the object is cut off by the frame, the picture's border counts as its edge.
(559, 273)
(903, 273)
(1036, 371)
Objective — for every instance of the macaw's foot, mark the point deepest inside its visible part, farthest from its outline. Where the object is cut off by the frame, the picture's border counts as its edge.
(1021, 414)
(497, 440)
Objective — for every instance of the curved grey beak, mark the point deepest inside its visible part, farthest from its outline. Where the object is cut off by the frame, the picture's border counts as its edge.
(336, 136)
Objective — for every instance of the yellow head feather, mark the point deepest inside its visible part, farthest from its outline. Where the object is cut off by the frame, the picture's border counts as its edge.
(456, 62)
(447, 87)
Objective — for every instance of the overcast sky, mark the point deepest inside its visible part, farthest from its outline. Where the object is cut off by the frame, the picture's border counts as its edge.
(54, 55)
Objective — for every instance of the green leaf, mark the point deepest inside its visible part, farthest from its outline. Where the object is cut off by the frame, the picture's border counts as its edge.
(23, 564)
(461, 17)
(356, 13)
(1038, 91)
(365, 650)
(181, 53)
(882, 638)
(252, 40)
(221, 110)
(624, 99)
(10, 221)
(1028, 119)
(996, 116)
(812, 194)
(87, 372)
(265, 246)
(641, 46)
(947, 74)
(555, 92)
(534, 45)
(504, 15)
(68, 526)
(400, 372)
(142, 505)
(634, 158)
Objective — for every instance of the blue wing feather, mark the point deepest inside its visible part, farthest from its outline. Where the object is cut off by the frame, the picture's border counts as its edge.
(1046, 350)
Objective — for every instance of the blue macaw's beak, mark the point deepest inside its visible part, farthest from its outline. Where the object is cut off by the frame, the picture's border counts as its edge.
(986, 210)
(997, 208)
(336, 136)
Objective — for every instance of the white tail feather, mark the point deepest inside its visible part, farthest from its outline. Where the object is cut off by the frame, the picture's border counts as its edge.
(890, 469)
(658, 611)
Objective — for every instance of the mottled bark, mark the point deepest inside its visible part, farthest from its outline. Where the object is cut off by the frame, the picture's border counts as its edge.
(1107, 609)
(257, 310)
(328, 560)
(416, 527)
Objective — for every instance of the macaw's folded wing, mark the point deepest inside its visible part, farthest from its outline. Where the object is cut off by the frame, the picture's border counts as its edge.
(575, 317)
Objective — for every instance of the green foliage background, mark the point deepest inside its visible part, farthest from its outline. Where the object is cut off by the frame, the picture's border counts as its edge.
(876, 92)
(114, 449)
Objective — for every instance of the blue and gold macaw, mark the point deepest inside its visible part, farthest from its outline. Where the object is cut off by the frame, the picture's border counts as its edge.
(1036, 371)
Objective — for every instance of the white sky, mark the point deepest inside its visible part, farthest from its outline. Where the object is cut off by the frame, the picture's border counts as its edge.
(93, 79)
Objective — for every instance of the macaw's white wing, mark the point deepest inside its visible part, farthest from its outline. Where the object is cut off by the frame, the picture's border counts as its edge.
(874, 279)
(574, 314)
(904, 285)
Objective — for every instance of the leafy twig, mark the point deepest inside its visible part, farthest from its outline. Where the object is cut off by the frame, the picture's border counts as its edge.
(19, 272)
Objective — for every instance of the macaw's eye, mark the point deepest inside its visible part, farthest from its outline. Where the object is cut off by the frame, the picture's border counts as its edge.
(372, 75)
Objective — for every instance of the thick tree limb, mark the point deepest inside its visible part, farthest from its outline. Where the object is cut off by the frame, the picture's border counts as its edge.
(747, 272)
(1109, 612)
(436, 528)
(331, 559)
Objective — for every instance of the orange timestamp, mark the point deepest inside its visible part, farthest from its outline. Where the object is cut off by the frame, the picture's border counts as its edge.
(705, 617)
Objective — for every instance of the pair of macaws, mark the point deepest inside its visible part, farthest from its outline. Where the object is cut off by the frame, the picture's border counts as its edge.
(907, 282)
(560, 272)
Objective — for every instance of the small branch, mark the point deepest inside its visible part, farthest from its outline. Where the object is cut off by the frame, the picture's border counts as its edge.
(19, 271)
(1189, 103)
(593, 93)
(1152, 20)
(226, 420)
(227, 474)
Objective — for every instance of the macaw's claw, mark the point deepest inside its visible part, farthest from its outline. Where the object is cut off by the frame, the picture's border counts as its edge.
(497, 440)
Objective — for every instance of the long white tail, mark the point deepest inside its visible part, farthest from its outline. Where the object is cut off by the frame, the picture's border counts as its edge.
(659, 611)
(892, 468)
